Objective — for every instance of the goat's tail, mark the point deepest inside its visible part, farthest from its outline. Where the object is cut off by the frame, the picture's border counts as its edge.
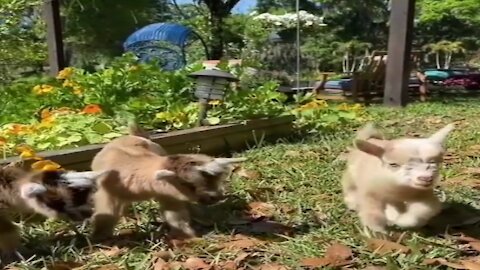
(369, 132)
(135, 130)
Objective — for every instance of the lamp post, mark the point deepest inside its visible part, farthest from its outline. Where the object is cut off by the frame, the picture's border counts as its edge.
(210, 85)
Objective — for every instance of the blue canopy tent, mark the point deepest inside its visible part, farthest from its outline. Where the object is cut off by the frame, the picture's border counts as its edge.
(151, 43)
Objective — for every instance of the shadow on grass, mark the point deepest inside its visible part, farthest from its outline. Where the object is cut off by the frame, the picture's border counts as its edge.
(226, 218)
(456, 218)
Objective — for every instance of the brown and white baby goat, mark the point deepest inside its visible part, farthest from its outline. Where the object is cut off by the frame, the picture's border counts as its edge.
(53, 194)
(391, 182)
(141, 170)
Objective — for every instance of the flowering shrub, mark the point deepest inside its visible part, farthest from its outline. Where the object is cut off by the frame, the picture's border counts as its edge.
(79, 108)
(289, 20)
(317, 115)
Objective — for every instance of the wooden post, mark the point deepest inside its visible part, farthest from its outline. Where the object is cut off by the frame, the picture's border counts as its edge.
(56, 57)
(399, 48)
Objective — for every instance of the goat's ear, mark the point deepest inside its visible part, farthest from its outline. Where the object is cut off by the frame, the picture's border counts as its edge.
(369, 148)
(441, 135)
(82, 179)
(162, 174)
(29, 190)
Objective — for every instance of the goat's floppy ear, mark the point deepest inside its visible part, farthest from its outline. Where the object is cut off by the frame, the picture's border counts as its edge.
(30, 190)
(440, 136)
(162, 174)
(369, 148)
(219, 165)
(81, 179)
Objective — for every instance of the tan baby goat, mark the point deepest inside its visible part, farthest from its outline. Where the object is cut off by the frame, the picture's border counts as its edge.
(391, 182)
(141, 170)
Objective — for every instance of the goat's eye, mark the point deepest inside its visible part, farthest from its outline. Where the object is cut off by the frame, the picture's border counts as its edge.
(394, 165)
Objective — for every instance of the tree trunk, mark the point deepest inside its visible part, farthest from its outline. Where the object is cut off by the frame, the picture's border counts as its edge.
(448, 59)
(216, 32)
(219, 10)
(347, 60)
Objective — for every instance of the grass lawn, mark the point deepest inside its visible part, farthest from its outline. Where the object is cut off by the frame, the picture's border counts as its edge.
(296, 210)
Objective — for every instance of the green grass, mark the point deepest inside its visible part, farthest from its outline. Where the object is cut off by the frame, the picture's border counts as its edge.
(301, 179)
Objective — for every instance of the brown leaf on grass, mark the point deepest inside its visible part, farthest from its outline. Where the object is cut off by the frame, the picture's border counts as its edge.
(315, 262)
(241, 257)
(272, 266)
(463, 238)
(471, 265)
(163, 254)
(382, 246)
(233, 265)
(194, 263)
(179, 243)
(249, 174)
(439, 261)
(339, 251)
(475, 245)
(241, 242)
(63, 265)
(336, 255)
(108, 267)
(261, 209)
(160, 264)
(450, 158)
(111, 252)
(228, 265)
(472, 171)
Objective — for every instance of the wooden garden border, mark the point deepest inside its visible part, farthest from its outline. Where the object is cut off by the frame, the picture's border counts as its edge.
(214, 140)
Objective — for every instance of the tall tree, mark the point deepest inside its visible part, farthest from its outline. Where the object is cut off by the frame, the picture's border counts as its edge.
(219, 10)
(289, 5)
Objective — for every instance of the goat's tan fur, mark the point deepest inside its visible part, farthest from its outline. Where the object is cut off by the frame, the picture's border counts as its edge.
(390, 182)
(142, 170)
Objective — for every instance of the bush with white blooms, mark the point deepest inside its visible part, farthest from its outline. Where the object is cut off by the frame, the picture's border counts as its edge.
(289, 20)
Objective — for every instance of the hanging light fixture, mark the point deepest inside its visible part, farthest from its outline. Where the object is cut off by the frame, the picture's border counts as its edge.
(298, 43)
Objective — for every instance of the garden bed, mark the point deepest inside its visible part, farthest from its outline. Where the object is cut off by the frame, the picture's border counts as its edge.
(215, 140)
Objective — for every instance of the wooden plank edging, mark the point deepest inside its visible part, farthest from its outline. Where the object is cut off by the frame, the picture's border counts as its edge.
(214, 140)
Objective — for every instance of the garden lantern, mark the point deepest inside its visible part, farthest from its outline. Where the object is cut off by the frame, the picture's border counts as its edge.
(210, 85)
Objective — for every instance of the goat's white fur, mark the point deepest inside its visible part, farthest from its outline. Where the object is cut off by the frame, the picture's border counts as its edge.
(390, 182)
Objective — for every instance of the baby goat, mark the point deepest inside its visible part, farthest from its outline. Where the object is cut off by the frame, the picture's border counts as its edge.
(391, 182)
(53, 194)
(141, 170)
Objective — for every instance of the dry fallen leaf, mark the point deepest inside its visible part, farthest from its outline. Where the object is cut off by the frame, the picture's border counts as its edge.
(249, 174)
(160, 264)
(463, 238)
(472, 171)
(241, 242)
(339, 251)
(439, 261)
(272, 266)
(315, 262)
(194, 263)
(163, 254)
(108, 267)
(475, 245)
(228, 265)
(382, 246)
(261, 209)
(471, 265)
(111, 252)
(336, 255)
(62, 265)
